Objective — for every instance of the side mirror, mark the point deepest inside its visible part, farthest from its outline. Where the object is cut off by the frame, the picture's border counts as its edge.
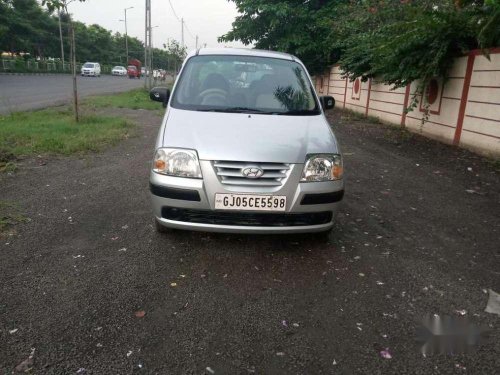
(160, 94)
(327, 102)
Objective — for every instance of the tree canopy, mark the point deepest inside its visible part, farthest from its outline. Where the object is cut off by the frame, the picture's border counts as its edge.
(28, 28)
(396, 40)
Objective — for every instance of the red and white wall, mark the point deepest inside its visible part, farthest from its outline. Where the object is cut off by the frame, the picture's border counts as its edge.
(463, 110)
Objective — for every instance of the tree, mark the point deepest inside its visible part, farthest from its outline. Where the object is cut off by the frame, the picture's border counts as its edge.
(398, 41)
(25, 27)
(403, 41)
(63, 5)
(294, 26)
(489, 34)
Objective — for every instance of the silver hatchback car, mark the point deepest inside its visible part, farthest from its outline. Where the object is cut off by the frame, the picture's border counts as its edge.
(245, 147)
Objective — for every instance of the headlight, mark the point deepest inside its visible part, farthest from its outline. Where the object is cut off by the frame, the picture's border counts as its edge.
(322, 167)
(177, 162)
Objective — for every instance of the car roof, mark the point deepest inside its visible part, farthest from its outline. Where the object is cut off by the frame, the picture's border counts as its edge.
(243, 52)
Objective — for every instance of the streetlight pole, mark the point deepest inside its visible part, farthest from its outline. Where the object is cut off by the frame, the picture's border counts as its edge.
(152, 46)
(126, 31)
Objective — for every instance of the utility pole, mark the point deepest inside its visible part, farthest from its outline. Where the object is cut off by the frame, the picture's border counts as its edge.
(147, 46)
(146, 43)
(126, 32)
(196, 41)
(182, 31)
(61, 38)
(152, 47)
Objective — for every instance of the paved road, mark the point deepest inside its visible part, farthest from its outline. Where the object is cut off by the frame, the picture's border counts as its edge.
(410, 240)
(19, 93)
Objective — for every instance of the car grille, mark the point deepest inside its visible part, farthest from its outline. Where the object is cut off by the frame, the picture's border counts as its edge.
(229, 173)
(249, 219)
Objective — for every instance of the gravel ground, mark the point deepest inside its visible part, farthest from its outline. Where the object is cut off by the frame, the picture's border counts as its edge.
(91, 286)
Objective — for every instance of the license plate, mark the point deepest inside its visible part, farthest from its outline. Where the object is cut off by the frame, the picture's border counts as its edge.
(250, 202)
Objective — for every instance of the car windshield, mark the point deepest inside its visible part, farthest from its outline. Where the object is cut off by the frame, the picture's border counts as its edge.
(132, 67)
(88, 65)
(245, 84)
(118, 68)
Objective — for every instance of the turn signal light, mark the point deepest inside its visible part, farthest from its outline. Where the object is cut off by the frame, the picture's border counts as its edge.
(337, 172)
(160, 165)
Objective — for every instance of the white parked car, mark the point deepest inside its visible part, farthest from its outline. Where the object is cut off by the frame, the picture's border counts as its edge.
(119, 71)
(91, 69)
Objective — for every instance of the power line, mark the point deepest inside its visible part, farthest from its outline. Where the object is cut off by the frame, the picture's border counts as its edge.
(181, 20)
(189, 31)
(173, 10)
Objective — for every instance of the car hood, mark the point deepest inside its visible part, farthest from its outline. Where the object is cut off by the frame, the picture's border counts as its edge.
(249, 137)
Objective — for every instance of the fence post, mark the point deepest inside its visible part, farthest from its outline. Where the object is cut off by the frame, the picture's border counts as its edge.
(345, 92)
(464, 98)
(368, 97)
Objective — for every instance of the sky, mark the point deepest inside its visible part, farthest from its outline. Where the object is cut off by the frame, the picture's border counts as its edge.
(208, 19)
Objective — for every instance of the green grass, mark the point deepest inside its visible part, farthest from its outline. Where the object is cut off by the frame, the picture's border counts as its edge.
(350, 115)
(495, 164)
(7, 167)
(54, 131)
(10, 215)
(398, 134)
(135, 99)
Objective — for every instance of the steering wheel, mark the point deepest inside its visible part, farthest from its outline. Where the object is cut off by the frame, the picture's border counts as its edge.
(213, 94)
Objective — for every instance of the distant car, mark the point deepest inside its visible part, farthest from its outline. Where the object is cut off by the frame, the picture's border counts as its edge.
(91, 69)
(133, 72)
(134, 69)
(119, 71)
(144, 73)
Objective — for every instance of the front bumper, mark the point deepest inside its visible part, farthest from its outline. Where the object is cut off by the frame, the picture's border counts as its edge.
(185, 203)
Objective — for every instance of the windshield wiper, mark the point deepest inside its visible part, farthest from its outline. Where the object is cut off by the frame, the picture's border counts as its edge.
(234, 110)
(299, 112)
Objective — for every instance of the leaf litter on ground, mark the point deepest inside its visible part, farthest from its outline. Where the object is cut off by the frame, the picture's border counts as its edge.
(493, 306)
(25, 366)
(140, 314)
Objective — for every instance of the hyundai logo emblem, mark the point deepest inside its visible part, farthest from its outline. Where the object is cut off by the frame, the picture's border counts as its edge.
(252, 172)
